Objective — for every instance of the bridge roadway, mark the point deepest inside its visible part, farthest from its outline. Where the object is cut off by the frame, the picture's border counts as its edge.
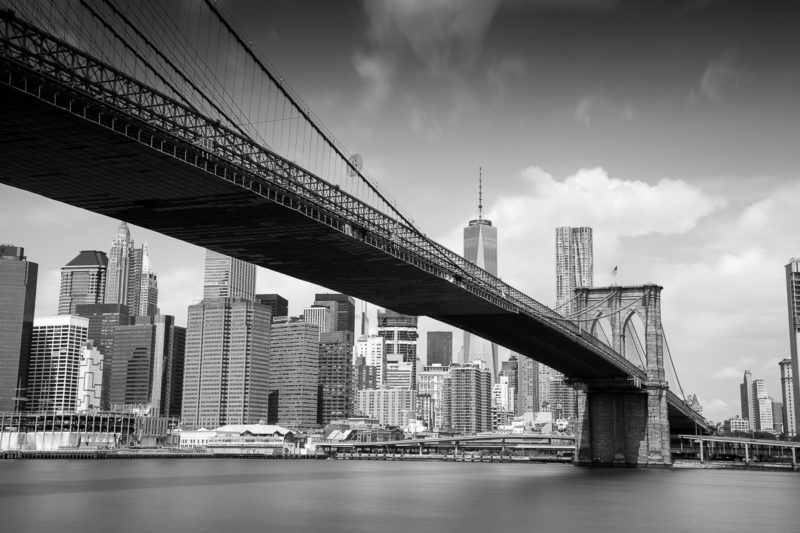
(67, 139)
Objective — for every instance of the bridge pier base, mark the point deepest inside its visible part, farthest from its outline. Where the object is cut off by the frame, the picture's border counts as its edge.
(620, 424)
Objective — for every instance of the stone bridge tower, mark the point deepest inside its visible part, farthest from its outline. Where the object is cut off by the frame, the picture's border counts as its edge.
(621, 420)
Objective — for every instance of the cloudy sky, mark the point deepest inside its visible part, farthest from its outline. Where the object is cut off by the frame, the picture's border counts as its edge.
(671, 128)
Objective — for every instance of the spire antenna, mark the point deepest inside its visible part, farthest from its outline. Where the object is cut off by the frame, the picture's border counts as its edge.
(480, 193)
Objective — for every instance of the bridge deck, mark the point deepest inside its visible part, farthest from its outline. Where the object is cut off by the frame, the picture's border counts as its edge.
(117, 165)
(61, 156)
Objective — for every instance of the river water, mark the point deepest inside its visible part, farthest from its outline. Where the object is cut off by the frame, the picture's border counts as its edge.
(225, 496)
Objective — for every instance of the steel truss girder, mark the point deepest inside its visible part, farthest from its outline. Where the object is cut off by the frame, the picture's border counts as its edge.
(165, 124)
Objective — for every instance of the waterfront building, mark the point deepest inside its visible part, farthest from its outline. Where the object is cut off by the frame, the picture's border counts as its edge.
(55, 359)
(226, 277)
(373, 349)
(431, 383)
(277, 304)
(83, 281)
(793, 305)
(480, 248)
(390, 406)
(148, 366)
(440, 348)
(737, 425)
(18, 296)
(342, 310)
(336, 375)
(294, 396)
(400, 334)
(467, 402)
(90, 379)
(787, 393)
(103, 318)
(226, 363)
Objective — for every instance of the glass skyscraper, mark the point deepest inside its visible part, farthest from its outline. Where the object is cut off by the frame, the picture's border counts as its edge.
(130, 279)
(226, 362)
(480, 247)
(18, 296)
(440, 348)
(83, 281)
(226, 277)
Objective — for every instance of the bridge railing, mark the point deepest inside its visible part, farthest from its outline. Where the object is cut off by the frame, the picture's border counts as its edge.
(92, 81)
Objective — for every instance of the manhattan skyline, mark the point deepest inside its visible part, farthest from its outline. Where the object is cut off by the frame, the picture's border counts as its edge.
(669, 130)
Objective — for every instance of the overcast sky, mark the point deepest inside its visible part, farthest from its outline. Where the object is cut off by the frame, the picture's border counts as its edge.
(671, 128)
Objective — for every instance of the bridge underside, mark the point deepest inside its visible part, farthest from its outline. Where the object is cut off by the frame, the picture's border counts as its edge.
(54, 153)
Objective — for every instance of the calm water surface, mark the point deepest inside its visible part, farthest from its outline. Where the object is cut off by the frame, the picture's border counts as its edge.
(223, 496)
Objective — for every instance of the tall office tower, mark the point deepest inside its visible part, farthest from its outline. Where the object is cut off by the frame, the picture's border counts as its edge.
(226, 277)
(90, 379)
(130, 279)
(467, 403)
(119, 266)
(53, 373)
(336, 375)
(431, 383)
(343, 310)
(18, 296)
(320, 316)
(147, 301)
(364, 318)
(278, 305)
(293, 383)
(373, 349)
(226, 363)
(480, 247)
(510, 368)
(747, 397)
(574, 265)
(392, 407)
(574, 268)
(440, 348)
(148, 365)
(787, 391)
(364, 377)
(83, 281)
(103, 318)
(400, 333)
(793, 301)
(528, 386)
(763, 406)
